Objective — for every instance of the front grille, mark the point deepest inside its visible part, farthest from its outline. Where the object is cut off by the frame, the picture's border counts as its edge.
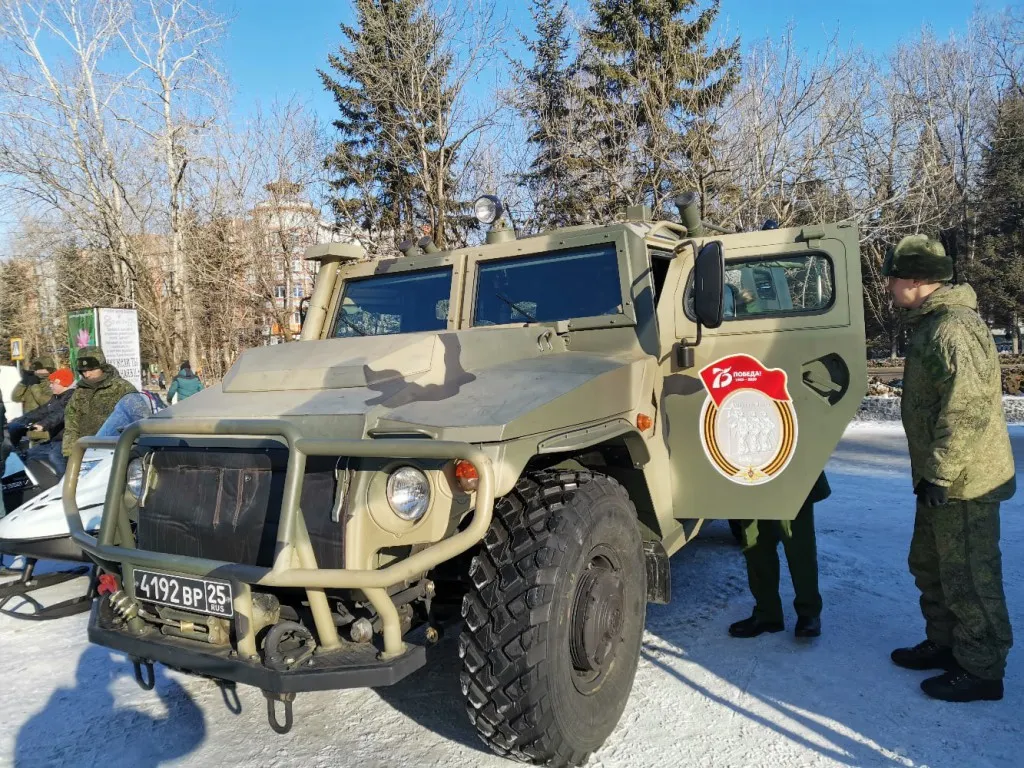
(225, 504)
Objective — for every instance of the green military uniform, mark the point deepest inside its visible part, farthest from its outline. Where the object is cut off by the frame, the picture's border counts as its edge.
(92, 402)
(953, 415)
(761, 548)
(32, 396)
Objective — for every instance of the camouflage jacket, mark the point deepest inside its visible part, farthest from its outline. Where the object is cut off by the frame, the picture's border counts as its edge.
(91, 404)
(31, 396)
(952, 399)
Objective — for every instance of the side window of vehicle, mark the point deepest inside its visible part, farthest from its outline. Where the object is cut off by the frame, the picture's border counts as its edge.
(778, 286)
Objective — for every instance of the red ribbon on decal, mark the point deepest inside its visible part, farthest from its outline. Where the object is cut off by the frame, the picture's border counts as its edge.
(725, 376)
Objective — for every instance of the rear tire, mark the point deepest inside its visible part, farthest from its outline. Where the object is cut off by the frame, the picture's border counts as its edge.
(554, 618)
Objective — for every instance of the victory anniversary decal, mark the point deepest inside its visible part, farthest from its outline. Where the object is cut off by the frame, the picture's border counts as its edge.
(748, 425)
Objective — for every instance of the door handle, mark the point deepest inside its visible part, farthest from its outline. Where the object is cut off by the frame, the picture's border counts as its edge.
(817, 377)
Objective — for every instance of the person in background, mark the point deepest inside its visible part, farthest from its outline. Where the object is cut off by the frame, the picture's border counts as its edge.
(49, 421)
(3, 456)
(129, 409)
(95, 397)
(185, 384)
(34, 389)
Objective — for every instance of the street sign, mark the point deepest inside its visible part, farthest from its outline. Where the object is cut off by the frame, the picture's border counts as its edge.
(17, 349)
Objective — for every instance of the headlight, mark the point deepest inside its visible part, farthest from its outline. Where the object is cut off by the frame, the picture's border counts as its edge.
(136, 475)
(487, 209)
(408, 493)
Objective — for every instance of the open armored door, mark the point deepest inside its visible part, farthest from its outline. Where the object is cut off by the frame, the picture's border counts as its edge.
(753, 422)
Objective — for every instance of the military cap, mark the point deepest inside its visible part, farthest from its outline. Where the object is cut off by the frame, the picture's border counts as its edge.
(90, 358)
(918, 257)
(44, 363)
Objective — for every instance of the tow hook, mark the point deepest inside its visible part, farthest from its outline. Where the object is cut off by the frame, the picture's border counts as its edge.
(148, 681)
(286, 699)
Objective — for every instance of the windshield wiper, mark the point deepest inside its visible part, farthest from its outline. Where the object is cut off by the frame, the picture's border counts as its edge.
(350, 324)
(516, 307)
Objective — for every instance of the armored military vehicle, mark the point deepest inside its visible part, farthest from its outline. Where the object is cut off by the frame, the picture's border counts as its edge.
(518, 434)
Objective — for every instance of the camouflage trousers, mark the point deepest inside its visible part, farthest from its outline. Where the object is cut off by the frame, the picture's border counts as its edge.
(955, 560)
(761, 549)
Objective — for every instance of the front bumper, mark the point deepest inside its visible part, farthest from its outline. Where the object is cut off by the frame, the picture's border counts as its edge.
(294, 564)
(350, 666)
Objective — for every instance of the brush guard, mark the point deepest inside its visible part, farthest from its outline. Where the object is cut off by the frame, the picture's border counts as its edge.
(334, 664)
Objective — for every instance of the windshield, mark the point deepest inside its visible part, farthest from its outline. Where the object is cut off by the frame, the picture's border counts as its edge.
(565, 284)
(406, 302)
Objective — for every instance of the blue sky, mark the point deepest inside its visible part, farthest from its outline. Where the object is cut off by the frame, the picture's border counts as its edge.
(273, 48)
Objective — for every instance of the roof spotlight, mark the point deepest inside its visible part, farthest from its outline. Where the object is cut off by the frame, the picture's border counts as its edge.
(487, 209)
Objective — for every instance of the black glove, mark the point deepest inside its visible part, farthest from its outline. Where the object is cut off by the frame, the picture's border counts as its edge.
(29, 378)
(931, 495)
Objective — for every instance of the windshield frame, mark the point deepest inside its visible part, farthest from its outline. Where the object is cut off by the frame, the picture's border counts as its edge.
(550, 244)
(368, 269)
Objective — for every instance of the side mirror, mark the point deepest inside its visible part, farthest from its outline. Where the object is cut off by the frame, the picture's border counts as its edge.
(709, 284)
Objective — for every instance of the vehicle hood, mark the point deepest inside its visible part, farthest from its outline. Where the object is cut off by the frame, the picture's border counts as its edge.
(477, 385)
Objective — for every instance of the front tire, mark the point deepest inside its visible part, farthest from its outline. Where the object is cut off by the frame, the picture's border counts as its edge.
(554, 618)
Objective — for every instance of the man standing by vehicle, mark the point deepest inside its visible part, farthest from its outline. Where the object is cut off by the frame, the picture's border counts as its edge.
(761, 549)
(49, 419)
(95, 396)
(185, 384)
(962, 468)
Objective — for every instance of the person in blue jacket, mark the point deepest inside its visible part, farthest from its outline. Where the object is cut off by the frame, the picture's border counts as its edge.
(185, 384)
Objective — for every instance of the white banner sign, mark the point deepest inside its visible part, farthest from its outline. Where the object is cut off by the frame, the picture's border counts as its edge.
(119, 339)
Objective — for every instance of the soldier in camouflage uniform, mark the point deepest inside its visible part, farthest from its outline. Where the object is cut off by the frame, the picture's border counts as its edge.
(962, 469)
(761, 549)
(33, 391)
(99, 390)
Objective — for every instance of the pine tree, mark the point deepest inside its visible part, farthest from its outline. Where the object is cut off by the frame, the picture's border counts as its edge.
(652, 83)
(393, 161)
(545, 104)
(998, 270)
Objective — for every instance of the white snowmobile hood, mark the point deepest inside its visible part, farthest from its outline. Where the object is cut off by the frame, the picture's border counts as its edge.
(43, 517)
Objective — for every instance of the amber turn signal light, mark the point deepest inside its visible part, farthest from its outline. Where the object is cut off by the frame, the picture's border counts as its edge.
(467, 476)
(644, 422)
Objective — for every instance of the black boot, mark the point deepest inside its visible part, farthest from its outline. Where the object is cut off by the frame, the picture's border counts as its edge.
(926, 655)
(808, 626)
(960, 685)
(753, 627)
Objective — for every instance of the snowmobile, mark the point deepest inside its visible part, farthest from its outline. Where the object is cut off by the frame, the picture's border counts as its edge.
(23, 479)
(38, 530)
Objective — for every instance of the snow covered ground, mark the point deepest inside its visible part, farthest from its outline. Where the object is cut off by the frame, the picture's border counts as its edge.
(700, 697)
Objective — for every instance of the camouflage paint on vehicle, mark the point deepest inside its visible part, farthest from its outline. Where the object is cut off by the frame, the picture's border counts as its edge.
(615, 392)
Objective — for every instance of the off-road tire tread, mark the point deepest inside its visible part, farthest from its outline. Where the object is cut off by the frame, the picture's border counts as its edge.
(504, 659)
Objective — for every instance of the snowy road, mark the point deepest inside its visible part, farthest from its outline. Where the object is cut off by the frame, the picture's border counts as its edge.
(700, 697)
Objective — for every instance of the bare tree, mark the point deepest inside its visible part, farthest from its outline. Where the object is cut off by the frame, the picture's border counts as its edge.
(99, 101)
(170, 41)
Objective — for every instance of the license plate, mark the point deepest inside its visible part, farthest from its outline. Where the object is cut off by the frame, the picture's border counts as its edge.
(196, 595)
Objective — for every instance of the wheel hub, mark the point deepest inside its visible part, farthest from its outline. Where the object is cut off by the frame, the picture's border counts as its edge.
(596, 619)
